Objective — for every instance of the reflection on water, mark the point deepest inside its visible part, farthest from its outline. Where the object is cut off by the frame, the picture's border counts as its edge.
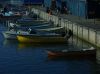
(79, 43)
(23, 58)
(73, 43)
(34, 45)
(19, 58)
(98, 56)
(9, 42)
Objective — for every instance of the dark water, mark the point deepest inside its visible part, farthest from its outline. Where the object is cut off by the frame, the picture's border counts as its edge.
(16, 58)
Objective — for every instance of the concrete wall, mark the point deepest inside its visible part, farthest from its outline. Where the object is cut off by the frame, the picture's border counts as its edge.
(84, 33)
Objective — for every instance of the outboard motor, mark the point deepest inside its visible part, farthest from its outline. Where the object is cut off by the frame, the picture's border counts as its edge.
(70, 33)
(63, 34)
(32, 31)
(67, 34)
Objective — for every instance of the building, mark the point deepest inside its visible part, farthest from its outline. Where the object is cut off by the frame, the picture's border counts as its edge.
(32, 2)
(21, 2)
(81, 8)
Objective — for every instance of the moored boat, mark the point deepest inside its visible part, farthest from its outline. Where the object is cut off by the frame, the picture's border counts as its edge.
(13, 34)
(47, 35)
(42, 38)
(13, 17)
(30, 22)
(69, 54)
(14, 30)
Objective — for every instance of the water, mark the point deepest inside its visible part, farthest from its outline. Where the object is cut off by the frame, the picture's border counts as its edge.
(17, 58)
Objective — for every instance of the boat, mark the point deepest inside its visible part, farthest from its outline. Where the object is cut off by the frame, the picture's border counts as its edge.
(47, 35)
(12, 17)
(50, 29)
(43, 37)
(89, 53)
(12, 34)
(47, 38)
(30, 22)
(15, 29)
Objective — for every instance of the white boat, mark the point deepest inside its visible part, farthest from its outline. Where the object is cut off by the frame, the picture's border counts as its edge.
(12, 31)
(13, 34)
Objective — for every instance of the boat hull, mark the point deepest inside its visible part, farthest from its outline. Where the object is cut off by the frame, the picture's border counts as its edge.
(12, 34)
(2, 18)
(41, 39)
(89, 54)
(9, 35)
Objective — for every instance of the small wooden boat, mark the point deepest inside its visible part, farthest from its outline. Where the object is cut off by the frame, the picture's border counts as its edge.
(42, 38)
(47, 35)
(67, 54)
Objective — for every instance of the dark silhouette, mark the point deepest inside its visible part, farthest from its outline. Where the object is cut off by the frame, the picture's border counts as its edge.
(70, 33)
(5, 9)
(58, 9)
(47, 9)
(53, 5)
(33, 32)
(63, 7)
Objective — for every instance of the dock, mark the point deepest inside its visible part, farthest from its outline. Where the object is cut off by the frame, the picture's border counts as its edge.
(86, 29)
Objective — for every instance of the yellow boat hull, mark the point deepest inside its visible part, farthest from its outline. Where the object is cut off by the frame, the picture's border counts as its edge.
(39, 39)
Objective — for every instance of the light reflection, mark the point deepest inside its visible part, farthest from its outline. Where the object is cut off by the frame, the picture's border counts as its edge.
(9, 42)
(73, 43)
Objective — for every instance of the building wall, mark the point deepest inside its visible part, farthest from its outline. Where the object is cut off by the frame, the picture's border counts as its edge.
(20, 2)
(16, 2)
(81, 8)
(76, 7)
(93, 8)
(33, 1)
(47, 3)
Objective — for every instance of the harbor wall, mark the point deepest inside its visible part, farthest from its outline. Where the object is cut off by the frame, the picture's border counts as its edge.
(85, 33)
